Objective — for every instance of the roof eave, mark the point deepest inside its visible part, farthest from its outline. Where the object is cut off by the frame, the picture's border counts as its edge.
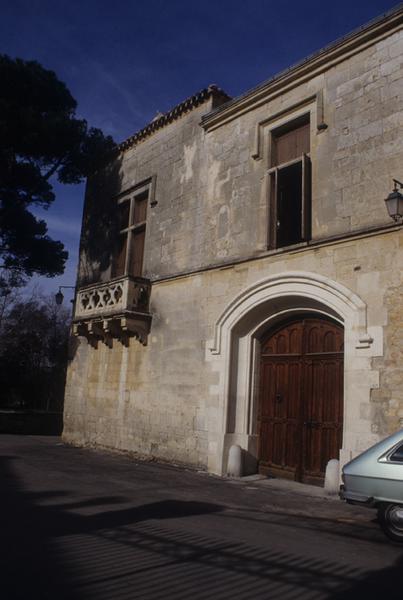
(306, 69)
(211, 92)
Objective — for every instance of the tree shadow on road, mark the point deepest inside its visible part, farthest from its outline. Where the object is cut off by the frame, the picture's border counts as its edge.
(31, 565)
(55, 546)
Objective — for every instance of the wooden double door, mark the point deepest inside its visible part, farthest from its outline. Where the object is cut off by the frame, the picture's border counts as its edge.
(300, 414)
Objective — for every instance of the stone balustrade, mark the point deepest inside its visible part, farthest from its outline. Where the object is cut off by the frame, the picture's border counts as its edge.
(118, 308)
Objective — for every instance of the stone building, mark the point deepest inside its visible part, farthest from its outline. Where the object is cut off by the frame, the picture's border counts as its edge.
(240, 279)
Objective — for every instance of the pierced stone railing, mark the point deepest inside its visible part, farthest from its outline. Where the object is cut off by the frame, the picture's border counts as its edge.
(116, 309)
(117, 295)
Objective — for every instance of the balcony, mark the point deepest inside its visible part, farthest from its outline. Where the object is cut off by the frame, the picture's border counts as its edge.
(116, 309)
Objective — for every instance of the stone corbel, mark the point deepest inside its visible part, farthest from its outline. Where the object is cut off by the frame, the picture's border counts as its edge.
(80, 329)
(119, 327)
(95, 329)
(84, 330)
(111, 327)
(139, 328)
(111, 331)
(364, 341)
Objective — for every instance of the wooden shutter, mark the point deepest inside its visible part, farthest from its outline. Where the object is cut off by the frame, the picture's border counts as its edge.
(291, 144)
(140, 208)
(119, 258)
(123, 214)
(137, 252)
(306, 198)
(272, 225)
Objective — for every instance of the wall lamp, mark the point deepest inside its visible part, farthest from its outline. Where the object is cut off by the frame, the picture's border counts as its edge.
(394, 202)
(59, 296)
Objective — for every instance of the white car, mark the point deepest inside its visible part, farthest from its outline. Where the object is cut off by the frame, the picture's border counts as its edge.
(375, 479)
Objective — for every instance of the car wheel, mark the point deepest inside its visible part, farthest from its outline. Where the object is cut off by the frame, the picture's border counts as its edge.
(391, 520)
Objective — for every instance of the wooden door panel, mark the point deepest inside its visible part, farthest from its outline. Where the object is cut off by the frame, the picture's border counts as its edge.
(287, 341)
(279, 414)
(320, 447)
(301, 399)
(322, 337)
(323, 394)
(294, 391)
(279, 454)
(292, 447)
(279, 438)
(279, 399)
(312, 453)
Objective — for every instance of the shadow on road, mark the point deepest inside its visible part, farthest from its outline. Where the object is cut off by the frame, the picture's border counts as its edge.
(48, 551)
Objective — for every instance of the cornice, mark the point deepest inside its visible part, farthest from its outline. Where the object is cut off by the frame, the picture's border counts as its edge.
(300, 248)
(306, 69)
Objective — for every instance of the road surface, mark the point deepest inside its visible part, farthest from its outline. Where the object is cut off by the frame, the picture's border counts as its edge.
(81, 524)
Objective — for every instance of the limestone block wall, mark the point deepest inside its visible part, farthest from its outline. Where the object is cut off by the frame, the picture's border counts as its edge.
(353, 160)
(147, 399)
(211, 187)
(206, 243)
(387, 400)
(173, 157)
(364, 110)
(164, 399)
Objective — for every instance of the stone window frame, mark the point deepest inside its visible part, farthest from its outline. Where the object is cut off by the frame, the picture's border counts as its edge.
(303, 220)
(133, 194)
(314, 104)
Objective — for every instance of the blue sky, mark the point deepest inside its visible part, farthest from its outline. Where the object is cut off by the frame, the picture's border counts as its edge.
(125, 61)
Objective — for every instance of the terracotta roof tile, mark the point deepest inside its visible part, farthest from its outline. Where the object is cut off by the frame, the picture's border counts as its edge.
(187, 105)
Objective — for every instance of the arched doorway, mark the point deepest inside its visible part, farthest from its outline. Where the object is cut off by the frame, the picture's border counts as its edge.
(300, 412)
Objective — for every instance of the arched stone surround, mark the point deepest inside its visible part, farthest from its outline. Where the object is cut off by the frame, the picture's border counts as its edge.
(234, 355)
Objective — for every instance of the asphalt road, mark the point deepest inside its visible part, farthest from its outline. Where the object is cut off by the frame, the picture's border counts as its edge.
(82, 524)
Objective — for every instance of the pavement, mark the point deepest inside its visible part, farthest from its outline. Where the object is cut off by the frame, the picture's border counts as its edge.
(80, 524)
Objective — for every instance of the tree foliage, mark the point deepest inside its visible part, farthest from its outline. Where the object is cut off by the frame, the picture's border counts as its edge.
(40, 139)
(11, 283)
(33, 354)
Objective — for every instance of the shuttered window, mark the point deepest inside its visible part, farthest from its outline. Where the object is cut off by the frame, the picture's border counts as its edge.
(129, 250)
(290, 185)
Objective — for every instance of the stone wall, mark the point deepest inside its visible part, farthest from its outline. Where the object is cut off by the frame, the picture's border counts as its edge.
(162, 399)
(206, 242)
(211, 194)
(175, 157)
(387, 400)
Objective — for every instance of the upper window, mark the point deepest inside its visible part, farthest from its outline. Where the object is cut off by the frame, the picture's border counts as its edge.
(129, 251)
(290, 184)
